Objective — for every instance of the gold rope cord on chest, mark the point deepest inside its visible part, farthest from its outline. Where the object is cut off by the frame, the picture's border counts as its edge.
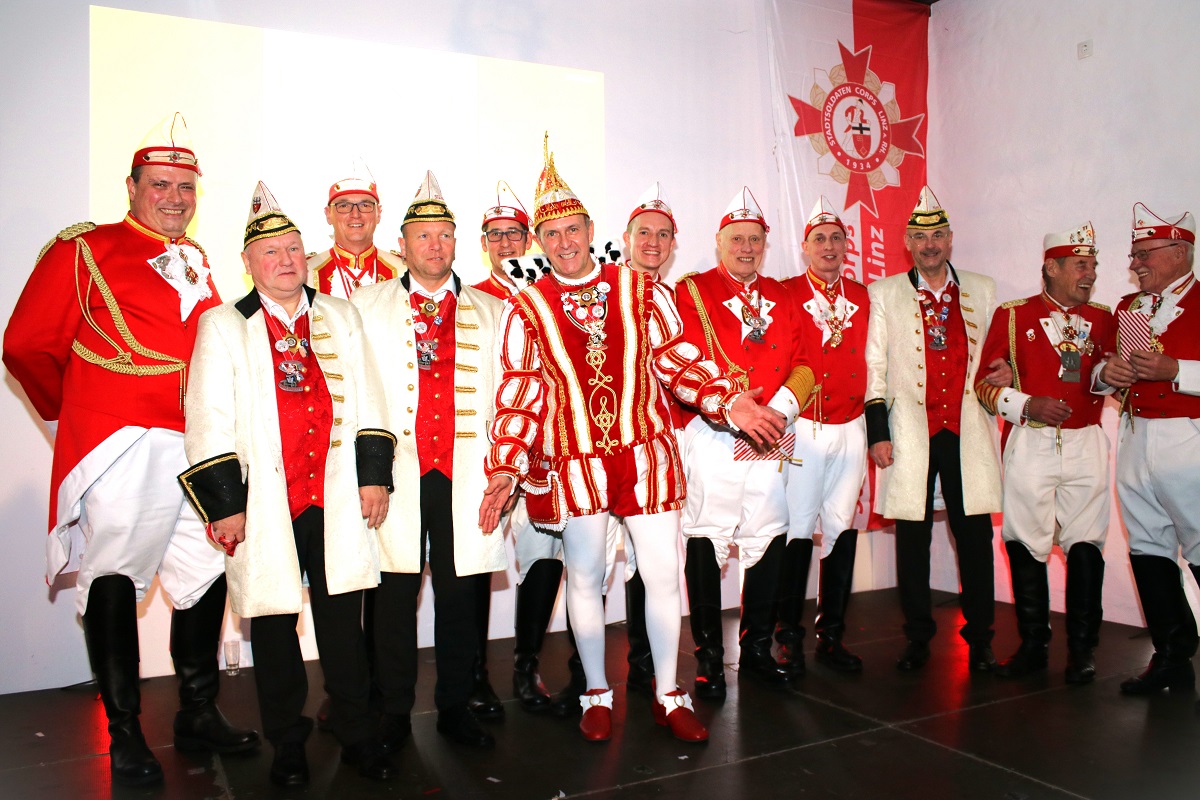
(599, 399)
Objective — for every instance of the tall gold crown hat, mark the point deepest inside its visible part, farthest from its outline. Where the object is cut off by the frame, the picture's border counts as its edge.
(553, 199)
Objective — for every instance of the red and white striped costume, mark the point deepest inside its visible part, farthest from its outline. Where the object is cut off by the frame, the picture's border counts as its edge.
(602, 413)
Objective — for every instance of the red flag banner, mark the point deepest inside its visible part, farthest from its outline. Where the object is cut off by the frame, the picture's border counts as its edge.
(850, 117)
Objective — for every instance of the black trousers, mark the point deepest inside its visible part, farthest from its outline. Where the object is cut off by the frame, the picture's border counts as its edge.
(972, 539)
(279, 672)
(455, 631)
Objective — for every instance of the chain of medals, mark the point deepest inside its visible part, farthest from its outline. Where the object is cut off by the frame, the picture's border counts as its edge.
(836, 323)
(935, 318)
(587, 308)
(752, 314)
(1073, 344)
(352, 280)
(293, 344)
(430, 314)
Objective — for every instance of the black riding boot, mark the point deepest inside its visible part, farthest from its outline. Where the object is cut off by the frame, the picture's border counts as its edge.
(483, 702)
(1031, 601)
(837, 575)
(759, 592)
(703, 576)
(566, 702)
(1085, 589)
(641, 660)
(789, 610)
(195, 637)
(1172, 627)
(110, 629)
(535, 605)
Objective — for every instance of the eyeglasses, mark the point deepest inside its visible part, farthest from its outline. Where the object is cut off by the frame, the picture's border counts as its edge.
(937, 236)
(1142, 255)
(364, 206)
(512, 234)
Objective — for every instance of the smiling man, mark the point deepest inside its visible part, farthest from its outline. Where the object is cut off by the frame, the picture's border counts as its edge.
(747, 324)
(100, 340)
(831, 445)
(435, 341)
(586, 433)
(926, 330)
(1158, 452)
(1055, 452)
(354, 212)
(292, 470)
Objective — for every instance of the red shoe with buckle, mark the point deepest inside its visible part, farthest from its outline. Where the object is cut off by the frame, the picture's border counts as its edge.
(680, 717)
(596, 725)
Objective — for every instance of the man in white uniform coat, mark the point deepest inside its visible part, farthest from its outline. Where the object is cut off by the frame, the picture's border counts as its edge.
(926, 330)
(435, 340)
(292, 471)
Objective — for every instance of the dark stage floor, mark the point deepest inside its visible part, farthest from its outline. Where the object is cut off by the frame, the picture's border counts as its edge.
(938, 733)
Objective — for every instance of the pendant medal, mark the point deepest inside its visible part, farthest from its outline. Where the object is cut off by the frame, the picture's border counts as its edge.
(426, 354)
(1071, 361)
(293, 374)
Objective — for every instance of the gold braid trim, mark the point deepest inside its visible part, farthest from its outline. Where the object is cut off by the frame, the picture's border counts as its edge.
(122, 362)
(1012, 357)
(710, 338)
(803, 384)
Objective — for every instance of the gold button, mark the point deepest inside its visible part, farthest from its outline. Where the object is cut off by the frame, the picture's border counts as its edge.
(410, 409)
(435, 438)
(437, 397)
(308, 388)
(826, 374)
(410, 387)
(920, 403)
(410, 344)
(408, 433)
(410, 365)
(920, 384)
(437, 416)
(311, 475)
(437, 375)
(311, 431)
(310, 408)
(918, 348)
(314, 498)
(312, 455)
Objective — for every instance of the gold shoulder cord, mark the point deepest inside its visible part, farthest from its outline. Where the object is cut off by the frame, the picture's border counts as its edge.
(710, 338)
(122, 362)
(1012, 357)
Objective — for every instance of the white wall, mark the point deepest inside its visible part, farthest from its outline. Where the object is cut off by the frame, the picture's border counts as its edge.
(1025, 139)
(686, 102)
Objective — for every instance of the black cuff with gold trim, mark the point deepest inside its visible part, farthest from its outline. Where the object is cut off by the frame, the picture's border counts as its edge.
(215, 488)
(876, 412)
(374, 450)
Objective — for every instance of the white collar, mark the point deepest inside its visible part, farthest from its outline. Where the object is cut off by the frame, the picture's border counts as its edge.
(278, 312)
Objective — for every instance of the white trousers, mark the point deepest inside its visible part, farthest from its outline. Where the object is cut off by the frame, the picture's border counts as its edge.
(828, 484)
(135, 522)
(731, 501)
(585, 553)
(1055, 498)
(1158, 484)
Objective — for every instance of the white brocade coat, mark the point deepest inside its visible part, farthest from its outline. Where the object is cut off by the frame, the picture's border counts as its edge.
(232, 407)
(896, 344)
(388, 322)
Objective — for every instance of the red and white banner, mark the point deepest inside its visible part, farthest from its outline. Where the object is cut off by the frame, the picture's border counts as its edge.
(849, 79)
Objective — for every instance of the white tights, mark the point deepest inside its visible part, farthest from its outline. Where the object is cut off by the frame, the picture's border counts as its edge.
(656, 537)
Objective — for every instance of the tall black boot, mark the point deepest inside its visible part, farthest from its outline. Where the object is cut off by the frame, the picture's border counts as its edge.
(195, 637)
(1031, 601)
(759, 592)
(566, 702)
(1085, 590)
(535, 605)
(641, 660)
(789, 610)
(703, 576)
(110, 629)
(483, 702)
(837, 575)
(1172, 627)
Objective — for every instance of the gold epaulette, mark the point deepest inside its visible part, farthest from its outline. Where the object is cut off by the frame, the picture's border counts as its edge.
(396, 253)
(687, 275)
(67, 234)
(1015, 303)
(308, 256)
(1100, 306)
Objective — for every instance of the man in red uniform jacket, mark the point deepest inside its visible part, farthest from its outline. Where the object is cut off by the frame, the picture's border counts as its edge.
(1055, 455)
(100, 340)
(354, 212)
(747, 324)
